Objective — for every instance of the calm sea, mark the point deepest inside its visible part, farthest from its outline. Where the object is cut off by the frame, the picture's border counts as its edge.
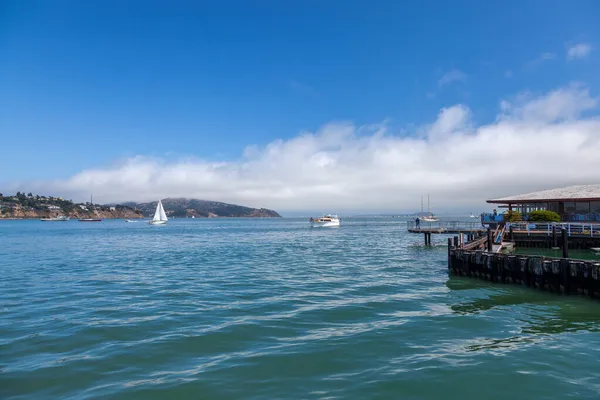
(271, 309)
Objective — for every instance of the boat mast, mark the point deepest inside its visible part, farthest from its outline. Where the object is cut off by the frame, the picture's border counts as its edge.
(428, 212)
(93, 207)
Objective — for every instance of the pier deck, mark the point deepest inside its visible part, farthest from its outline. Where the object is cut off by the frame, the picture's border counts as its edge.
(446, 227)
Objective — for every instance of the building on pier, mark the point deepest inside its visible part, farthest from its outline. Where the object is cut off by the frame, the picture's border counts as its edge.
(574, 203)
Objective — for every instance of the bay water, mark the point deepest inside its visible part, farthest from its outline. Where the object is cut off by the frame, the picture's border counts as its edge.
(272, 309)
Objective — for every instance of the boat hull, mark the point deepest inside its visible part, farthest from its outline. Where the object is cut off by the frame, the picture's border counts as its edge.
(90, 220)
(157, 222)
(325, 224)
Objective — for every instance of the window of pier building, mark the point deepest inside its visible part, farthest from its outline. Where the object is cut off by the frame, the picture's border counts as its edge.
(582, 207)
(570, 207)
(527, 208)
(595, 207)
(553, 206)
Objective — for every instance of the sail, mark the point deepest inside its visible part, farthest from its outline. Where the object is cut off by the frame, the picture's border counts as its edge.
(163, 216)
(157, 212)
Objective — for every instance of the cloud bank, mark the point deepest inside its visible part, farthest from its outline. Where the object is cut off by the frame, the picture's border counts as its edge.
(534, 143)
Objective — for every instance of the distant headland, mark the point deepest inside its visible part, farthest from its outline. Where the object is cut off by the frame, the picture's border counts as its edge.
(182, 208)
(30, 206)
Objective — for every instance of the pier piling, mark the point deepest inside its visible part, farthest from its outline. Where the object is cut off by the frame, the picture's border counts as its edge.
(560, 275)
(427, 237)
(565, 243)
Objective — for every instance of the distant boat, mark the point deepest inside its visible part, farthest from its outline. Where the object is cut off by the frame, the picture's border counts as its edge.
(160, 218)
(472, 216)
(430, 217)
(130, 220)
(98, 219)
(325, 221)
(59, 218)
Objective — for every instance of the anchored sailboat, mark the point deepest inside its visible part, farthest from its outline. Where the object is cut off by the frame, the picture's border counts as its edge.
(430, 217)
(98, 219)
(160, 218)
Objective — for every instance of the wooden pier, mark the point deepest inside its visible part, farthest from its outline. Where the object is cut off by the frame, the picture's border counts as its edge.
(481, 258)
(448, 227)
(466, 229)
(561, 275)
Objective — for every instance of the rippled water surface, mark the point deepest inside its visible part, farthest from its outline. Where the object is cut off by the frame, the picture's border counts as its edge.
(271, 309)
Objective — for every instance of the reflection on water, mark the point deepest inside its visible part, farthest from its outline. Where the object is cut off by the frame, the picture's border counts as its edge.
(538, 312)
(496, 345)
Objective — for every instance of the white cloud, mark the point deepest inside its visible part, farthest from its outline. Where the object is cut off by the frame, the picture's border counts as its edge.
(581, 50)
(450, 120)
(561, 104)
(536, 143)
(454, 75)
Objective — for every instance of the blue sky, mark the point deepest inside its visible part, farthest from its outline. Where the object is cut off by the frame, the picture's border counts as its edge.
(86, 84)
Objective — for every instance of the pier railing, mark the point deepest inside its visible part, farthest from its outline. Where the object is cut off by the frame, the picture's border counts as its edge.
(445, 225)
(573, 228)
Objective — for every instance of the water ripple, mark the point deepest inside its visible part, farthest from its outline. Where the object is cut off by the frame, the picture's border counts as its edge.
(272, 309)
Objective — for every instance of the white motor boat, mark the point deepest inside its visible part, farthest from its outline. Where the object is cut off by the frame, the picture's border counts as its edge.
(59, 218)
(160, 218)
(326, 221)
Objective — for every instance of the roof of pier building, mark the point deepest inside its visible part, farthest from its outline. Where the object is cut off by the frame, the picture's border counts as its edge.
(571, 193)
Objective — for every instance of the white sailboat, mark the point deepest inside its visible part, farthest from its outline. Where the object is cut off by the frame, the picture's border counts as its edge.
(430, 217)
(160, 218)
(97, 219)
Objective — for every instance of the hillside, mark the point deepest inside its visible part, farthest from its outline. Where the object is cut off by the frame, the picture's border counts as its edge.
(21, 206)
(181, 208)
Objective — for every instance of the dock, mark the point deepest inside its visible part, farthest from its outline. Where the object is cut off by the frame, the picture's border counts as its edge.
(468, 229)
(448, 227)
(481, 257)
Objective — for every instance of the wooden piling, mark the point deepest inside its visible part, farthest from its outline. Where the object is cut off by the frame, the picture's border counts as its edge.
(489, 240)
(427, 237)
(565, 243)
(559, 275)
